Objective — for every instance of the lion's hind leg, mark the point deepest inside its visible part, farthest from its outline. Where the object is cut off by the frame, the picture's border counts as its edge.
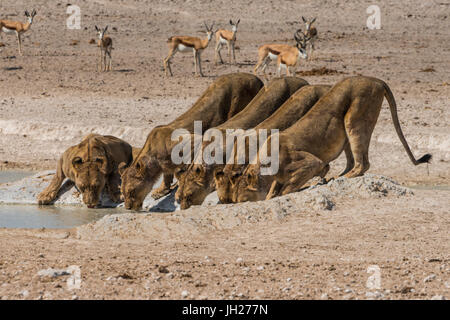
(302, 169)
(51, 192)
(359, 123)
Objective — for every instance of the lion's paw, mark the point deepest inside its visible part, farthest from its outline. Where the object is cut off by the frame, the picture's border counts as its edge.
(45, 198)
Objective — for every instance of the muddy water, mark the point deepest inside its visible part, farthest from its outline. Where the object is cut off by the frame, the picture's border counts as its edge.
(33, 216)
(29, 216)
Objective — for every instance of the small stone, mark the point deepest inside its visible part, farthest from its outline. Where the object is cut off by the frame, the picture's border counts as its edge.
(438, 297)
(260, 268)
(430, 278)
(324, 296)
(169, 275)
(184, 293)
(239, 260)
(374, 295)
(24, 293)
(289, 279)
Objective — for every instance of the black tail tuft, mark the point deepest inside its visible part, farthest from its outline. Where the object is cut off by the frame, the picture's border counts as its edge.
(425, 159)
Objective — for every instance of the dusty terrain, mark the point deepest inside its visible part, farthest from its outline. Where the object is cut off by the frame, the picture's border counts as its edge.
(51, 97)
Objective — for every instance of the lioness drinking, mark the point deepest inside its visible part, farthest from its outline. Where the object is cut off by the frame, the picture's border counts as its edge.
(92, 165)
(196, 181)
(227, 96)
(344, 118)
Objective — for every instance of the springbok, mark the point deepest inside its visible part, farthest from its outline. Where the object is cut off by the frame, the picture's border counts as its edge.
(227, 37)
(285, 55)
(185, 44)
(105, 45)
(311, 34)
(10, 27)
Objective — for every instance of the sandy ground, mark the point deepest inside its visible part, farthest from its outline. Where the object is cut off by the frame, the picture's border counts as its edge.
(51, 97)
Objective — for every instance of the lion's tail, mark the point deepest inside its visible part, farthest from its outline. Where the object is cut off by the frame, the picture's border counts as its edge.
(393, 107)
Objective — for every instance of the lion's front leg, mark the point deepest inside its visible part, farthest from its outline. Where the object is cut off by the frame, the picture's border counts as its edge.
(302, 170)
(113, 187)
(164, 189)
(51, 192)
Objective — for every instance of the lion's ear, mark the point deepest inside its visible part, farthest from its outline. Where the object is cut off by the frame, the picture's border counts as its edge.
(122, 167)
(77, 162)
(140, 167)
(218, 174)
(103, 163)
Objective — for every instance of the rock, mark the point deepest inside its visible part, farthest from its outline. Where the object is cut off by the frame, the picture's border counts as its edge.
(24, 293)
(430, 278)
(52, 273)
(324, 296)
(239, 260)
(438, 297)
(184, 293)
(374, 295)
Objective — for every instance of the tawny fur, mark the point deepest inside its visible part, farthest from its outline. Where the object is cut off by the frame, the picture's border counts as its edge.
(344, 118)
(198, 180)
(91, 165)
(227, 96)
(289, 113)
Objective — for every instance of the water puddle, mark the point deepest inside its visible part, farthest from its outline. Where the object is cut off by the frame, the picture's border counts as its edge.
(31, 216)
(34, 216)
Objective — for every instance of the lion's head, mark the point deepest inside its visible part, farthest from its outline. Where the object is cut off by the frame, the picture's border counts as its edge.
(90, 178)
(194, 185)
(137, 181)
(250, 186)
(226, 182)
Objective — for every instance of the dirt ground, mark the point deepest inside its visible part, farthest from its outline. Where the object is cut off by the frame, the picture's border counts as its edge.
(52, 96)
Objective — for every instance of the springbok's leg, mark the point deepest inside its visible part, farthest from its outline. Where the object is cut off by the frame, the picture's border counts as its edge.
(110, 60)
(218, 48)
(229, 50)
(167, 61)
(195, 62)
(100, 60)
(234, 53)
(19, 43)
(199, 58)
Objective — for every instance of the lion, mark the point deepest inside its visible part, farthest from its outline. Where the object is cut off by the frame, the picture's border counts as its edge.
(342, 119)
(197, 180)
(93, 166)
(223, 99)
(291, 111)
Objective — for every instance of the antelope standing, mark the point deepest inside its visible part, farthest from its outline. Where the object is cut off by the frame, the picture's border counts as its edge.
(227, 37)
(185, 44)
(105, 45)
(285, 55)
(10, 27)
(310, 33)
